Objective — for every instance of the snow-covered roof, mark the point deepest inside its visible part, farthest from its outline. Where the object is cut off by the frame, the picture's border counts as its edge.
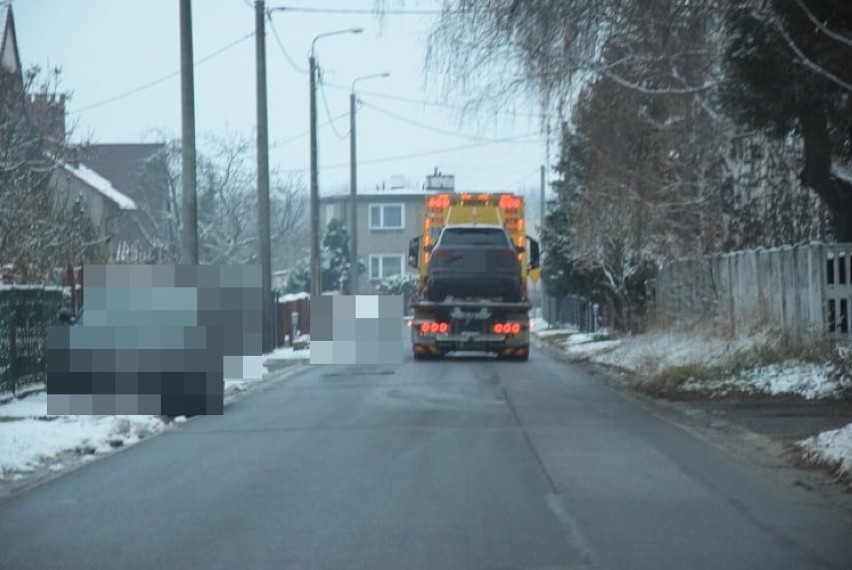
(101, 185)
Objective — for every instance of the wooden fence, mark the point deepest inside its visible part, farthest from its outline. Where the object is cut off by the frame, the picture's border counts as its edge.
(804, 291)
(290, 310)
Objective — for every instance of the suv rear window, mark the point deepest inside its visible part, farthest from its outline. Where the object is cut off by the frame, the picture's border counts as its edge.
(475, 236)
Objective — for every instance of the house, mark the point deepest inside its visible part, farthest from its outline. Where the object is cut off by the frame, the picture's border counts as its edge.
(10, 61)
(124, 189)
(140, 171)
(387, 218)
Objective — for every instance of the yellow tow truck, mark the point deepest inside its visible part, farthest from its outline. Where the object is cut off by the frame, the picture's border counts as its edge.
(473, 315)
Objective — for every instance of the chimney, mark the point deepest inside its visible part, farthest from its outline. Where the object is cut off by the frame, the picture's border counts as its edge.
(47, 113)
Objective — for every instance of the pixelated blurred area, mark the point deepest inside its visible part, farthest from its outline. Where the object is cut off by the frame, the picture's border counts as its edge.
(155, 340)
(356, 329)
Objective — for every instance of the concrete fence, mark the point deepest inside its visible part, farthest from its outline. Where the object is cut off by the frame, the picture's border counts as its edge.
(804, 290)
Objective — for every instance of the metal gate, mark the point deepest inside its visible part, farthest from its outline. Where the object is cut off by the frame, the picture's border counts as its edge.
(574, 310)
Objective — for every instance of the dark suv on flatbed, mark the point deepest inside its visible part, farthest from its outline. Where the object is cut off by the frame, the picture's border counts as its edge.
(474, 260)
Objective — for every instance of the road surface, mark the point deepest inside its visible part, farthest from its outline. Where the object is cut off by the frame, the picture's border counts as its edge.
(463, 463)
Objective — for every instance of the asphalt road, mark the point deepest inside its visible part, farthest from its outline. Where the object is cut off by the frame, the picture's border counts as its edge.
(468, 463)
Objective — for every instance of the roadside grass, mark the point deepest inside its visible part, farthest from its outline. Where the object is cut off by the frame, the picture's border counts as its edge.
(737, 368)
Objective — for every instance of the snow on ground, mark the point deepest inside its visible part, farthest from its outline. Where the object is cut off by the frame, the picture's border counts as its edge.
(28, 436)
(653, 353)
(832, 448)
(805, 379)
(30, 439)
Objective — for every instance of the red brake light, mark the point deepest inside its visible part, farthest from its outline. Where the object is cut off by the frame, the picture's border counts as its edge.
(498, 328)
(444, 327)
(516, 328)
(433, 327)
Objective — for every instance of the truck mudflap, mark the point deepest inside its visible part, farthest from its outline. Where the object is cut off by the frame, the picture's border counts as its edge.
(515, 352)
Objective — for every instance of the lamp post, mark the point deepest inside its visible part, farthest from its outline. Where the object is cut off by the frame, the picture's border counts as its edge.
(315, 262)
(353, 188)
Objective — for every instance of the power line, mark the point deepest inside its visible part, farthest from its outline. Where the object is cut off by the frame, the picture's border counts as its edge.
(428, 103)
(290, 60)
(522, 139)
(524, 177)
(327, 110)
(424, 126)
(303, 134)
(160, 80)
(356, 11)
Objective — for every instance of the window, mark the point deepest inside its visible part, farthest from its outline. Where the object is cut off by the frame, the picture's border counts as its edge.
(475, 236)
(382, 266)
(387, 216)
(329, 212)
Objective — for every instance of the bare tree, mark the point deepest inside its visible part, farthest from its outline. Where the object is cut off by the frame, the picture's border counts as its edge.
(40, 231)
(227, 204)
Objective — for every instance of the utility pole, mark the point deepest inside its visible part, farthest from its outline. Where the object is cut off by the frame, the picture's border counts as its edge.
(353, 200)
(541, 206)
(190, 202)
(353, 186)
(315, 249)
(263, 178)
(315, 241)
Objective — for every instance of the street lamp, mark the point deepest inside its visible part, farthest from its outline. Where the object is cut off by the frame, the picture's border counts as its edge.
(315, 263)
(353, 188)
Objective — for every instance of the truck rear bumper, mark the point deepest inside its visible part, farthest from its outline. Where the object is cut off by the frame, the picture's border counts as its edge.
(488, 343)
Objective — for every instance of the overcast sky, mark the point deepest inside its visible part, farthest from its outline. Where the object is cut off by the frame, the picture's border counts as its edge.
(108, 48)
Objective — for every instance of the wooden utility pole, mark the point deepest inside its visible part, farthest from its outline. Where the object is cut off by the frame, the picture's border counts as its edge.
(189, 234)
(264, 233)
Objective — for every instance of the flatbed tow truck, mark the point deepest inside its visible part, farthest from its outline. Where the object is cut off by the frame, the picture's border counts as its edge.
(472, 323)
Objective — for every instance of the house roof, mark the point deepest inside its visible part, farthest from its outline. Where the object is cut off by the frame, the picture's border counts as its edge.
(396, 194)
(101, 185)
(9, 58)
(122, 163)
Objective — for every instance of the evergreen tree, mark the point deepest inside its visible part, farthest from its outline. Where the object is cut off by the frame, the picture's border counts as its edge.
(562, 268)
(334, 263)
(299, 280)
(789, 74)
(335, 256)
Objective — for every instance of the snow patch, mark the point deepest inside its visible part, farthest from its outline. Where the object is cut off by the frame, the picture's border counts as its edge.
(29, 437)
(843, 171)
(293, 297)
(807, 380)
(832, 448)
